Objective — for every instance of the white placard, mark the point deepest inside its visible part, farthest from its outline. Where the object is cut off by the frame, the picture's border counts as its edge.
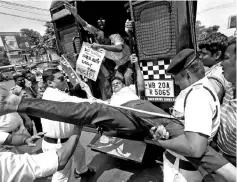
(89, 61)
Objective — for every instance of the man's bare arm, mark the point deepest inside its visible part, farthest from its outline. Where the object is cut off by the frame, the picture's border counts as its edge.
(189, 144)
(66, 151)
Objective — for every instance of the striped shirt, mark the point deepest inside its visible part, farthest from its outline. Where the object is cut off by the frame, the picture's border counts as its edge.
(226, 139)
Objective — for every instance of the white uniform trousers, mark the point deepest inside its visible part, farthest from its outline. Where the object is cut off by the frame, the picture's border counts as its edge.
(77, 161)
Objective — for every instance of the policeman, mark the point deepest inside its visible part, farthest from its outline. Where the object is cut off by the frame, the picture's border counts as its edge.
(198, 108)
(20, 88)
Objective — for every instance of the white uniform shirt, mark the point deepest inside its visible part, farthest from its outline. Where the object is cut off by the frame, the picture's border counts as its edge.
(124, 95)
(199, 111)
(3, 137)
(25, 167)
(10, 122)
(55, 129)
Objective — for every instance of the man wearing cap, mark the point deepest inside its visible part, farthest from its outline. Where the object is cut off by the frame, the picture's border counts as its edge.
(197, 106)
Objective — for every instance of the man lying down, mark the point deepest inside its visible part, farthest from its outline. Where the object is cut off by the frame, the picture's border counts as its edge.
(120, 119)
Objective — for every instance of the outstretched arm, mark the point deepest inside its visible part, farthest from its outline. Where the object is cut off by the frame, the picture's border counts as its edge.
(82, 22)
(20, 139)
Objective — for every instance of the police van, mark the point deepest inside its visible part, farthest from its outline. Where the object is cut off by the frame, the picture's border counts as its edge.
(162, 29)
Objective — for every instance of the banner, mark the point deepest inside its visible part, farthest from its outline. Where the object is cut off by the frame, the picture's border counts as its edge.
(11, 43)
(1, 42)
(89, 61)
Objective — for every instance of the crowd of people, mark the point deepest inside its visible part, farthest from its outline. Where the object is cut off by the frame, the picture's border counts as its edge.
(199, 135)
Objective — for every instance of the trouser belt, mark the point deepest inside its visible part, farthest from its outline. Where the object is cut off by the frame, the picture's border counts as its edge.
(55, 140)
(185, 165)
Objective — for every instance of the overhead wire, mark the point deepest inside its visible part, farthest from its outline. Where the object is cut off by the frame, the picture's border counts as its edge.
(22, 10)
(220, 6)
(25, 6)
(24, 17)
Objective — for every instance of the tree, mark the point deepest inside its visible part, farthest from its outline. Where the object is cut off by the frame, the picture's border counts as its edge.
(49, 41)
(202, 31)
(34, 38)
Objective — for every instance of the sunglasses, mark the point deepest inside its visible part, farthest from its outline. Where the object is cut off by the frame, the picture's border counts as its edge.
(61, 78)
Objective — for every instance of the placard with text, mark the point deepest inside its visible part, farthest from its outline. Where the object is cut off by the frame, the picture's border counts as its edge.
(89, 61)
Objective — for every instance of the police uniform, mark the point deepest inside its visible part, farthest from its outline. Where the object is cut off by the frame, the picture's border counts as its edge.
(198, 107)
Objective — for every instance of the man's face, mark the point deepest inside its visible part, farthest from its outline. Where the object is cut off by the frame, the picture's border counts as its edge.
(101, 23)
(229, 64)
(30, 77)
(20, 81)
(117, 85)
(59, 82)
(181, 81)
(207, 58)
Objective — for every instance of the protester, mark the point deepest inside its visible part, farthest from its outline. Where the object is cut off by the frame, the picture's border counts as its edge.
(116, 50)
(58, 133)
(20, 88)
(37, 93)
(123, 93)
(34, 84)
(212, 50)
(25, 167)
(133, 117)
(226, 137)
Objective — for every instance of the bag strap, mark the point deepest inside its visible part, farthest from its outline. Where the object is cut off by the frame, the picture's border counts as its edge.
(210, 91)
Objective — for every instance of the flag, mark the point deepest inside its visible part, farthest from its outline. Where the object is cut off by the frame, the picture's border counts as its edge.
(66, 67)
(73, 77)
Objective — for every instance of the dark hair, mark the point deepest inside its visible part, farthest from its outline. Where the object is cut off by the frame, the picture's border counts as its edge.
(215, 42)
(48, 75)
(118, 78)
(196, 67)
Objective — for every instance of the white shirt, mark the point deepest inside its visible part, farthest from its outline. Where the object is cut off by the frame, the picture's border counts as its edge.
(216, 72)
(199, 111)
(55, 129)
(25, 167)
(3, 137)
(10, 122)
(124, 95)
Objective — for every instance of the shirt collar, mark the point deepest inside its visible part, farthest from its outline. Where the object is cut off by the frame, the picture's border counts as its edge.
(203, 80)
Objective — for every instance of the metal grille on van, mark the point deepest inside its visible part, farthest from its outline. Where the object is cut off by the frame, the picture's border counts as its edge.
(155, 29)
(67, 44)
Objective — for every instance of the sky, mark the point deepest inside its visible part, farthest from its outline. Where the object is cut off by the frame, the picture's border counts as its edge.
(210, 12)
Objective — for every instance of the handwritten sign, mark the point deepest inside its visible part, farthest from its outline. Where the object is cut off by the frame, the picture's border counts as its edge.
(89, 61)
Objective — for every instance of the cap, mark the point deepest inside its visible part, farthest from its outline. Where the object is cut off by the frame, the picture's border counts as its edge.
(17, 75)
(181, 61)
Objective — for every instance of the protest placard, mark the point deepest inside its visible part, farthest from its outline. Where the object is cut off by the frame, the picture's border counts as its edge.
(89, 61)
